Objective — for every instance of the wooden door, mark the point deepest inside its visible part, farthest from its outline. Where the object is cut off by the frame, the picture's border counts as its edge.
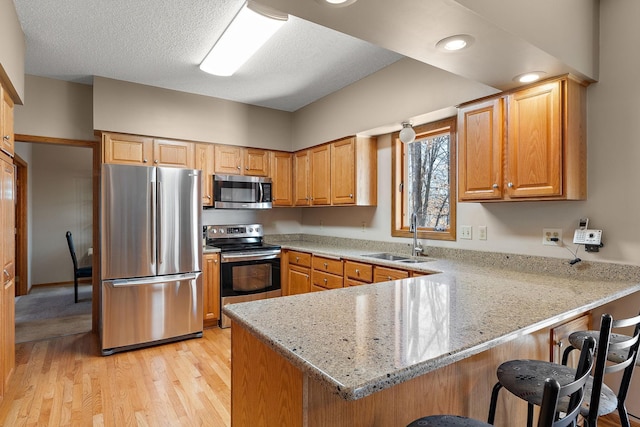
(8, 221)
(560, 339)
(7, 254)
(282, 178)
(299, 280)
(204, 162)
(320, 172)
(211, 288)
(227, 160)
(9, 324)
(127, 149)
(480, 142)
(170, 153)
(6, 123)
(343, 172)
(256, 162)
(534, 142)
(301, 172)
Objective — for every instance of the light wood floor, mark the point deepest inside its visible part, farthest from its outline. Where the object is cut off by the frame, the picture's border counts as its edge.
(66, 382)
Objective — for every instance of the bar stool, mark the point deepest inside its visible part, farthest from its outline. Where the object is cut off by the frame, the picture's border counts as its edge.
(518, 377)
(623, 356)
(551, 393)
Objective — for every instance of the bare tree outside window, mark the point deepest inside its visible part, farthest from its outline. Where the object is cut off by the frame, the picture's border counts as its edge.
(424, 181)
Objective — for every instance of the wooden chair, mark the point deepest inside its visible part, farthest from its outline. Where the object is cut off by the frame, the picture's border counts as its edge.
(551, 397)
(78, 272)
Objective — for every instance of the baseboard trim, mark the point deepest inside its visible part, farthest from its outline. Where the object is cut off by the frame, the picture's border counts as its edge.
(83, 280)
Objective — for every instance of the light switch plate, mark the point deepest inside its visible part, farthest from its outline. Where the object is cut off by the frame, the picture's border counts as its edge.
(465, 232)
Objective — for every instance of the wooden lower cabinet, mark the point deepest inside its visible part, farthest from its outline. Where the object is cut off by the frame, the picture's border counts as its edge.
(559, 338)
(327, 273)
(211, 289)
(296, 267)
(357, 273)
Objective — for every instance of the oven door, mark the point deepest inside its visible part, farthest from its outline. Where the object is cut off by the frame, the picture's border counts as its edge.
(243, 274)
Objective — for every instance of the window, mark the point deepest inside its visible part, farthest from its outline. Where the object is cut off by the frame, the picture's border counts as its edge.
(424, 182)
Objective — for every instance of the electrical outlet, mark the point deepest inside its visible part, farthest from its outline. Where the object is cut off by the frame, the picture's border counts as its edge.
(465, 232)
(482, 232)
(552, 236)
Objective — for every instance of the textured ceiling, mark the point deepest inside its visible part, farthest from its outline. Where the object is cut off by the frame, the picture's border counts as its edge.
(162, 42)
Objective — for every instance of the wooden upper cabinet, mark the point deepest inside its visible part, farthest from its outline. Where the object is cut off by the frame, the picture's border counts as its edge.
(6, 123)
(282, 178)
(301, 177)
(320, 175)
(527, 144)
(127, 149)
(256, 162)
(171, 153)
(535, 158)
(204, 162)
(480, 141)
(232, 160)
(354, 171)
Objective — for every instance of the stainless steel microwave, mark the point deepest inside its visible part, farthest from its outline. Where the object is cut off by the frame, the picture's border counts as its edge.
(241, 192)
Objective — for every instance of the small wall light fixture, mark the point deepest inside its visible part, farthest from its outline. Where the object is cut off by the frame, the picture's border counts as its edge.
(407, 134)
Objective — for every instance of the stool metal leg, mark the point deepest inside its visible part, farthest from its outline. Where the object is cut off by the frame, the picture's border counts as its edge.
(494, 402)
(530, 415)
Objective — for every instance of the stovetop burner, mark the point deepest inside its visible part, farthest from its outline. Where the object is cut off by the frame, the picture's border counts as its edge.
(236, 238)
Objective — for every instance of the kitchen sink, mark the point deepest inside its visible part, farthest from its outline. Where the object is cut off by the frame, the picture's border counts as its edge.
(412, 261)
(388, 257)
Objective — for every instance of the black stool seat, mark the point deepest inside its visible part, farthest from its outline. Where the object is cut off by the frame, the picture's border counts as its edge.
(525, 378)
(577, 338)
(447, 421)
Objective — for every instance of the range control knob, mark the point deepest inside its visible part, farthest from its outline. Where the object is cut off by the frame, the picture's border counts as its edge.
(221, 231)
(251, 230)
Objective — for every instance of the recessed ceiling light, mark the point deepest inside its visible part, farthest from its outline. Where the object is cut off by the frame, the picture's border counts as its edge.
(454, 43)
(529, 77)
(336, 3)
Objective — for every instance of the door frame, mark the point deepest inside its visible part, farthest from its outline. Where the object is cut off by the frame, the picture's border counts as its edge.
(96, 158)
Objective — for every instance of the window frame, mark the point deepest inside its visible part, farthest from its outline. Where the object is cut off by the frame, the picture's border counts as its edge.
(398, 229)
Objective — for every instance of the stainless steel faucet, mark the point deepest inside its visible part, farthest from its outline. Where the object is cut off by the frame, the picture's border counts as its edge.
(417, 248)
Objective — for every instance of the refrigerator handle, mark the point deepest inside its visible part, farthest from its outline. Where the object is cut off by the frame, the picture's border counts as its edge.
(159, 215)
(152, 224)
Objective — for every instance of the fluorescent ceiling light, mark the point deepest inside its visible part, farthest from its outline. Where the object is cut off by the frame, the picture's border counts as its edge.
(250, 29)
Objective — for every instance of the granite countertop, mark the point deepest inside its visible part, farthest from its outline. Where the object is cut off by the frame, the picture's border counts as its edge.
(363, 339)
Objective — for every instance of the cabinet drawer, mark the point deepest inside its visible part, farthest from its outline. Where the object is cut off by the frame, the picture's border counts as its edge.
(358, 271)
(384, 274)
(351, 282)
(327, 265)
(302, 259)
(326, 280)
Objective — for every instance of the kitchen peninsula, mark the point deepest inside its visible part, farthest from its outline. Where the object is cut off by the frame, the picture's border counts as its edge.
(387, 353)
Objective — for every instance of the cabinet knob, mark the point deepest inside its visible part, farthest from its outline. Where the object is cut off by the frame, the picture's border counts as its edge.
(351, 196)
(495, 185)
(297, 258)
(247, 168)
(510, 185)
(388, 277)
(209, 197)
(325, 280)
(560, 344)
(238, 167)
(357, 272)
(144, 161)
(215, 261)
(6, 137)
(155, 161)
(6, 273)
(326, 265)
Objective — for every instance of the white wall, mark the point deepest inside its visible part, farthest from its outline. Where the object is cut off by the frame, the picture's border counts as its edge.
(61, 200)
(12, 50)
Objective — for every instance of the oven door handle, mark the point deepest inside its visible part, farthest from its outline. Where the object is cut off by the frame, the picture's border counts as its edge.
(254, 256)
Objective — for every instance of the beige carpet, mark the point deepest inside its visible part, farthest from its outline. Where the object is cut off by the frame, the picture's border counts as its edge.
(49, 312)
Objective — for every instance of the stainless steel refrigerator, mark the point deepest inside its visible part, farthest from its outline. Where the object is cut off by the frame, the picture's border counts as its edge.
(151, 252)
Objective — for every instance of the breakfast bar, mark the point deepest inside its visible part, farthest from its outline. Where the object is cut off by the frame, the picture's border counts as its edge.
(387, 353)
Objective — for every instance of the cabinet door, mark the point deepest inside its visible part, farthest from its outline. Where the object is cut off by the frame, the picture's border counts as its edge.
(299, 280)
(320, 171)
(326, 280)
(211, 288)
(282, 178)
(560, 339)
(177, 154)
(256, 162)
(8, 221)
(358, 271)
(228, 160)
(343, 173)
(6, 123)
(204, 162)
(127, 149)
(480, 142)
(534, 147)
(301, 175)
